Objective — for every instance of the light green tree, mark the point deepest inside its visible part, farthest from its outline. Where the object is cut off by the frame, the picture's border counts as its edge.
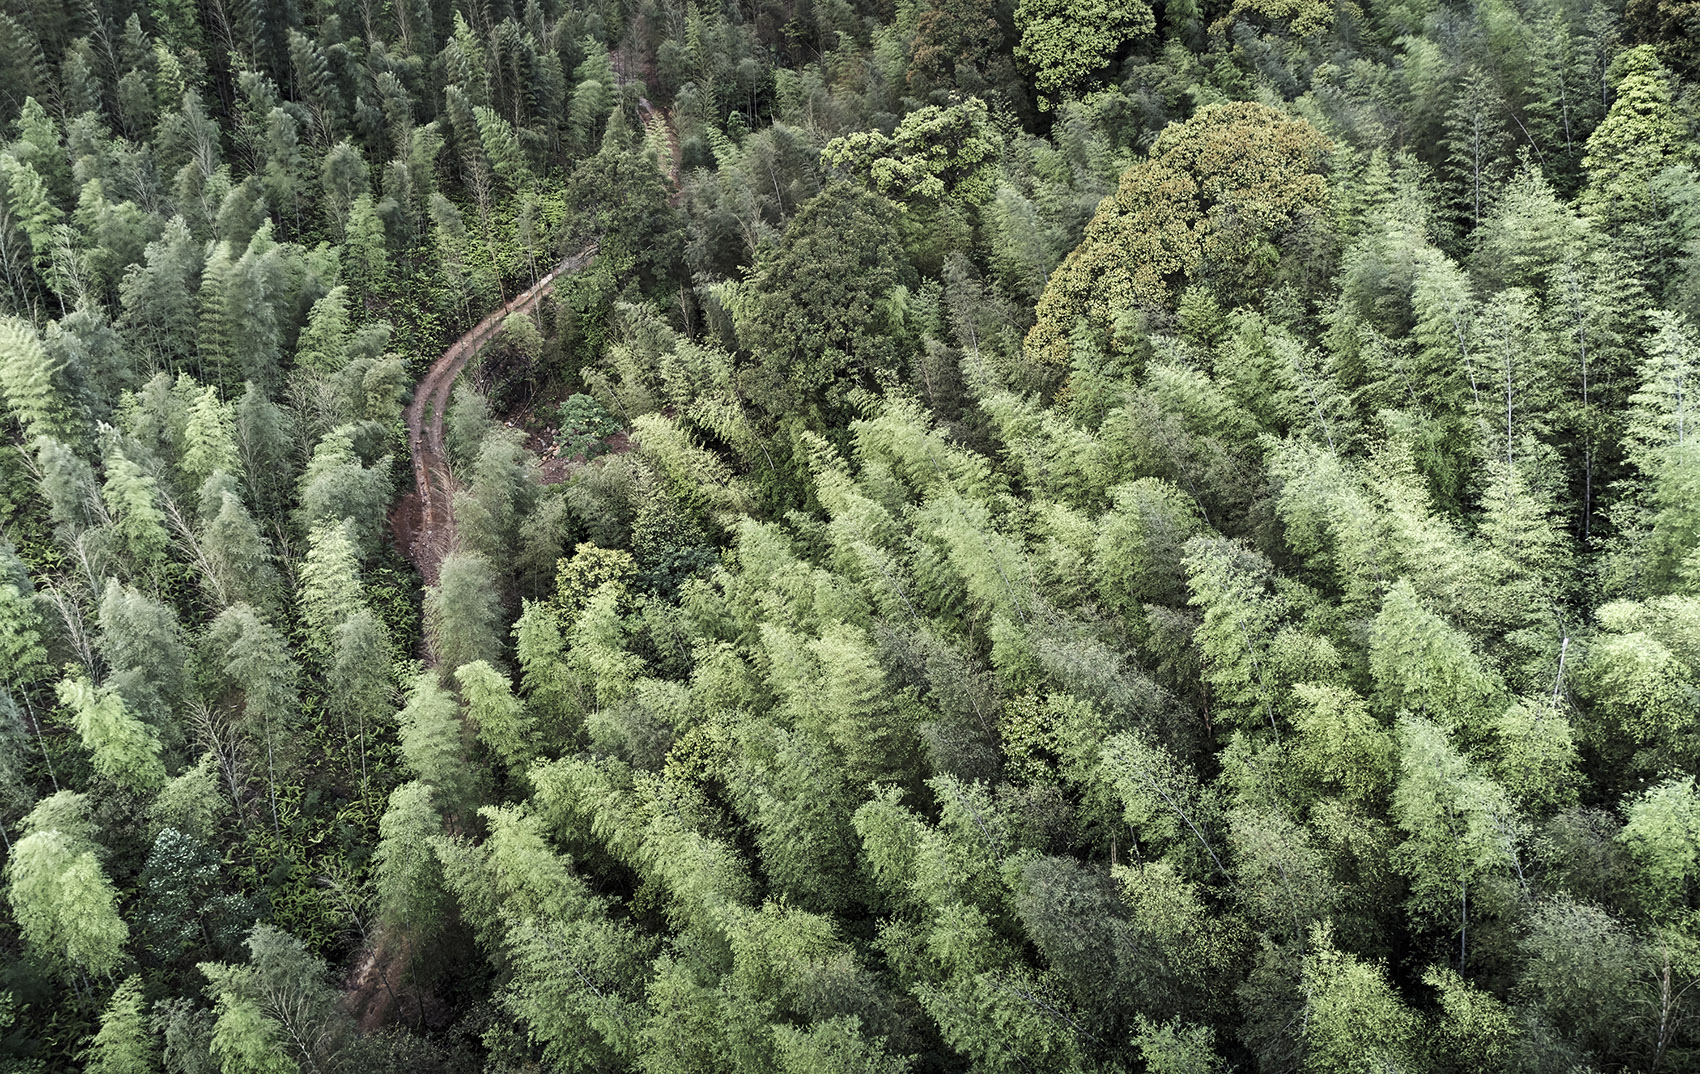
(259, 670)
(1462, 846)
(1067, 42)
(1177, 1047)
(463, 612)
(362, 687)
(1421, 664)
(124, 1043)
(238, 563)
(277, 1013)
(1661, 523)
(65, 907)
(1354, 1023)
(125, 749)
(499, 718)
(26, 381)
(433, 740)
(131, 496)
(1662, 833)
(337, 484)
(412, 901)
(209, 439)
(1638, 138)
(329, 591)
(323, 346)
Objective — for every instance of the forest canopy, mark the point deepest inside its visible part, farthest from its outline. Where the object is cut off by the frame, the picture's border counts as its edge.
(880, 536)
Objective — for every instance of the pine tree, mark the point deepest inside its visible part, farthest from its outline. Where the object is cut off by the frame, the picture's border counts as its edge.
(68, 485)
(262, 443)
(1448, 375)
(1238, 632)
(217, 360)
(22, 654)
(1660, 833)
(1515, 352)
(279, 1010)
(257, 286)
(1161, 800)
(365, 253)
(1420, 664)
(1593, 300)
(29, 207)
(1479, 148)
(142, 641)
(501, 147)
(344, 178)
(546, 683)
(158, 298)
(284, 177)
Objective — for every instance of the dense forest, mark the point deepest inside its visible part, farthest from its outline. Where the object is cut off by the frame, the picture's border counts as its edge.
(1028, 535)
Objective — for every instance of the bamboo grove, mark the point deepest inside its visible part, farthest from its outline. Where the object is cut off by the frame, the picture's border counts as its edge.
(1050, 536)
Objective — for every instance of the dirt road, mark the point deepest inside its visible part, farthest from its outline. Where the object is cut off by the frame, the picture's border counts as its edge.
(424, 520)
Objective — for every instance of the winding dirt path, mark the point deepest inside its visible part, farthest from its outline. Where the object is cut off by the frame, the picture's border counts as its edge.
(424, 519)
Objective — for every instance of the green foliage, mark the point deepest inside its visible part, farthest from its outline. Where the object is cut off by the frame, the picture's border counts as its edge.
(125, 749)
(330, 589)
(1145, 538)
(190, 802)
(125, 1042)
(1207, 206)
(65, 907)
(131, 496)
(817, 315)
(583, 427)
(339, 484)
(1353, 1020)
(1065, 44)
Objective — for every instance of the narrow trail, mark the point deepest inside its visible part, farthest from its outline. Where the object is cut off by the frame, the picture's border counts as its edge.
(423, 521)
(423, 525)
(626, 71)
